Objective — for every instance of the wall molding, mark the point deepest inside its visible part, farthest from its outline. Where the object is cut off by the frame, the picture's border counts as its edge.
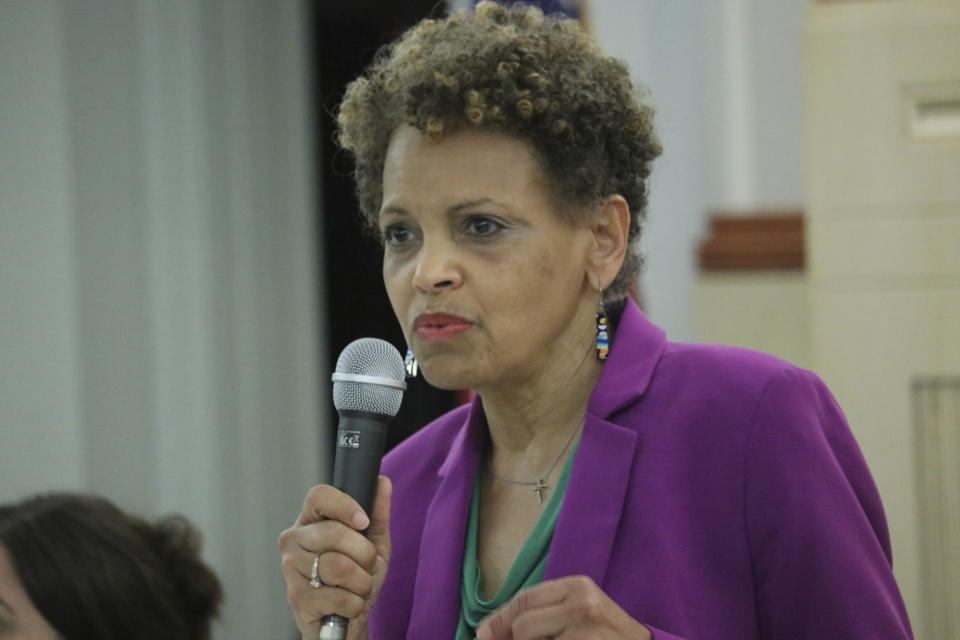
(769, 240)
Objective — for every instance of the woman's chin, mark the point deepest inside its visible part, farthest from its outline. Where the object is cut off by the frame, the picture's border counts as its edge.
(447, 377)
(446, 381)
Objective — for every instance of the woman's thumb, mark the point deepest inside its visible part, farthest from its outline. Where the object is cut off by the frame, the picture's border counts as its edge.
(379, 531)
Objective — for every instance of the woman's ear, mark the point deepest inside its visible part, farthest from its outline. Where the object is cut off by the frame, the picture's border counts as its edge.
(609, 224)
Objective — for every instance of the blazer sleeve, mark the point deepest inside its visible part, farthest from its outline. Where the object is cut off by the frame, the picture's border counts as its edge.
(818, 539)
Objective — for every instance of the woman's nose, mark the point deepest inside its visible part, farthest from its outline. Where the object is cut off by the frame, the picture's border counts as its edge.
(437, 269)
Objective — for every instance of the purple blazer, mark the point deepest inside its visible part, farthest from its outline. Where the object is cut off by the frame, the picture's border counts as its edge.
(718, 493)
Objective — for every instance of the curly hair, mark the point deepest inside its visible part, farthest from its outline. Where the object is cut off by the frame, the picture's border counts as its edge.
(539, 78)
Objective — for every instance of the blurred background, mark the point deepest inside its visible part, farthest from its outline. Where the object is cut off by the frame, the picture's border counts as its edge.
(181, 258)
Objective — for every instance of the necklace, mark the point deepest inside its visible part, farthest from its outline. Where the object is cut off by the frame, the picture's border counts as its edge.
(538, 485)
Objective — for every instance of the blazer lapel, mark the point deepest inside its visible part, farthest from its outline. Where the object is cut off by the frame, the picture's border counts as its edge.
(436, 596)
(590, 515)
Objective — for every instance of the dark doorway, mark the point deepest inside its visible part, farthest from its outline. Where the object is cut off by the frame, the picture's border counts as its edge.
(346, 36)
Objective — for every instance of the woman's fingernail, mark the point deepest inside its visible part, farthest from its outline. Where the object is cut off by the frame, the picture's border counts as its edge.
(360, 520)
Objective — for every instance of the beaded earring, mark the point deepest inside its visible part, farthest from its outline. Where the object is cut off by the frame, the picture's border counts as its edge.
(410, 364)
(603, 337)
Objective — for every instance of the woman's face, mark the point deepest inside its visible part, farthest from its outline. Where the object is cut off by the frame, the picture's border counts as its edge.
(19, 619)
(486, 278)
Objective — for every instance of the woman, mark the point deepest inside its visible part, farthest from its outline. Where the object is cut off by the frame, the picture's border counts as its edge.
(605, 483)
(74, 567)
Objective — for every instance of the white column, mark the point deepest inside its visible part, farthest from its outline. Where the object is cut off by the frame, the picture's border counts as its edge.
(663, 45)
(733, 111)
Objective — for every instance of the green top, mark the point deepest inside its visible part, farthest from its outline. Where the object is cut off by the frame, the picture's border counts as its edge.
(527, 569)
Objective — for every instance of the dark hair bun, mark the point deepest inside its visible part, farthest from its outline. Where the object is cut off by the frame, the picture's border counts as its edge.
(129, 578)
(177, 545)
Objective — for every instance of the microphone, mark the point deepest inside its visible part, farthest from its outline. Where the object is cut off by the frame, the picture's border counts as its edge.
(368, 387)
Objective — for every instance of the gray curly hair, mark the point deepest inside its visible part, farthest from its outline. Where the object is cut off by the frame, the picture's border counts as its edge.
(539, 78)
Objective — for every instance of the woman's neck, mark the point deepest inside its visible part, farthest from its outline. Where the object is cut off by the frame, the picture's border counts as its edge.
(530, 422)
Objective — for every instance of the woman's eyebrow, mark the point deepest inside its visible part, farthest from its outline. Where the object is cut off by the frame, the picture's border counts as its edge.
(452, 209)
(395, 211)
(474, 202)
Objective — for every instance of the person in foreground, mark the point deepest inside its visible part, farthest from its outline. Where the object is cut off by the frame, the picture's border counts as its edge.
(75, 567)
(605, 483)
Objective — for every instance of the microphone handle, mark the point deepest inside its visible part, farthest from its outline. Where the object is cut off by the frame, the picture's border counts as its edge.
(361, 437)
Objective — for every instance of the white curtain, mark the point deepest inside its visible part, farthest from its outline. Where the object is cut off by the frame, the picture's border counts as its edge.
(159, 300)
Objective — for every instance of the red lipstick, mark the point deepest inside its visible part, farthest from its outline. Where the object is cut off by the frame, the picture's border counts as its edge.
(439, 326)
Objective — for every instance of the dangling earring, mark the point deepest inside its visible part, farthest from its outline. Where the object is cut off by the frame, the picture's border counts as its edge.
(603, 337)
(410, 364)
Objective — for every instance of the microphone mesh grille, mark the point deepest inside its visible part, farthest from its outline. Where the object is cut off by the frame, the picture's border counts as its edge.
(369, 357)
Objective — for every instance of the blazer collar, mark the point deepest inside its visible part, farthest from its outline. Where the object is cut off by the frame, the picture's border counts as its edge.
(436, 594)
(590, 517)
(634, 353)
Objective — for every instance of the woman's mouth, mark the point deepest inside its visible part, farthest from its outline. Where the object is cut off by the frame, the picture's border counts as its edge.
(439, 326)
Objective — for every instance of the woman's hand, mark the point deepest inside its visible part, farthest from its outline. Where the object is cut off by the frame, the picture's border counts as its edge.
(351, 566)
(571, 608)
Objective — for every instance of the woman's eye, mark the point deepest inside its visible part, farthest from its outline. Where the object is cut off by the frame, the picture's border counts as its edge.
(397, 234)
(483, 226)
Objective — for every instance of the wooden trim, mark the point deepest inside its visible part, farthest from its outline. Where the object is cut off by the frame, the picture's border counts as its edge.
(765, 241)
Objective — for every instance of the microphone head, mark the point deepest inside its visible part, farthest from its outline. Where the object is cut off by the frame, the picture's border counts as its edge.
(369, 378)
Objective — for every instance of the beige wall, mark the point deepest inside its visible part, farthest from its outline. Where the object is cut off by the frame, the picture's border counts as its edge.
(762, 310)
(884, 237)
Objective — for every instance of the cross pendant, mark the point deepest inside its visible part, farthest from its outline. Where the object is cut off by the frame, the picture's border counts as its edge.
(541, 485)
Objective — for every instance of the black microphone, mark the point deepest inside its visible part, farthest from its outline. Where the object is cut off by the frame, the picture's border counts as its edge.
(368, 387)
